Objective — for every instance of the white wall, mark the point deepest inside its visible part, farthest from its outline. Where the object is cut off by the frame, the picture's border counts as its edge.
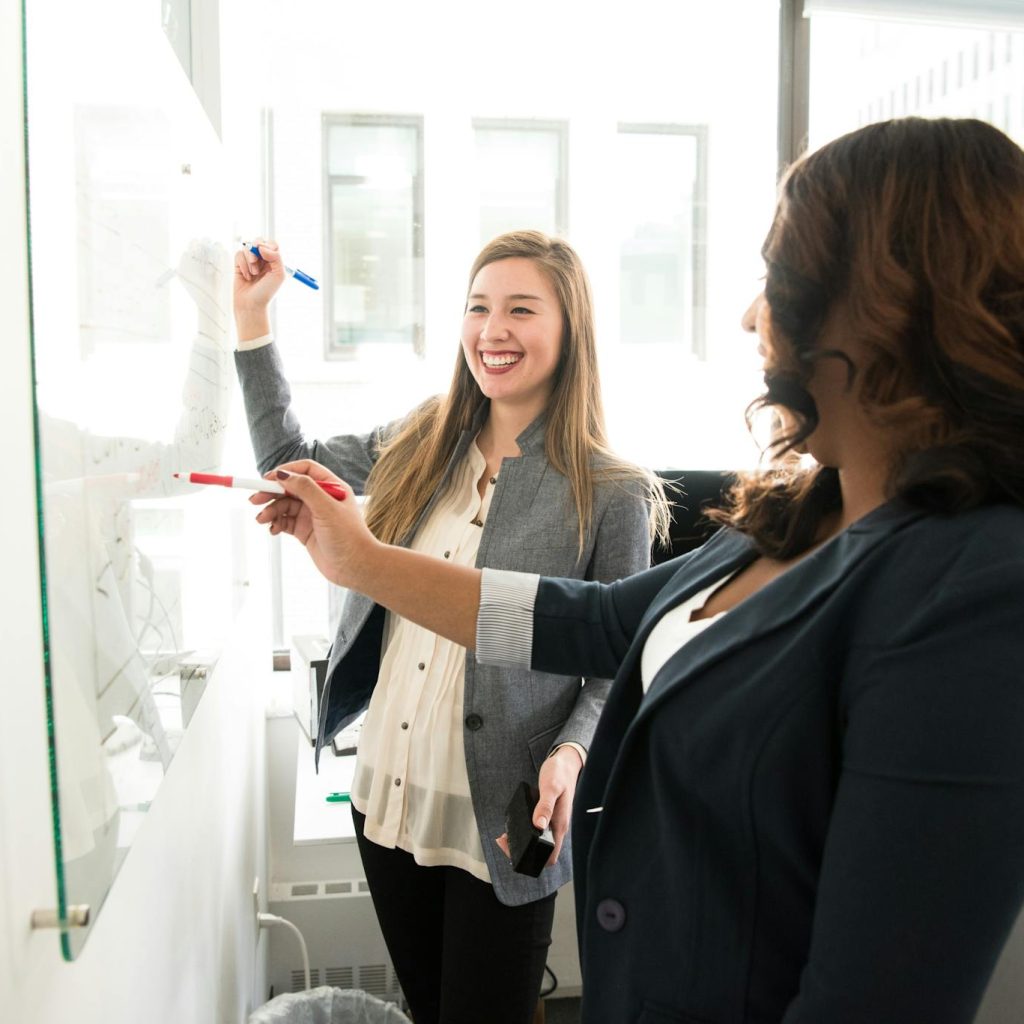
(176, 940)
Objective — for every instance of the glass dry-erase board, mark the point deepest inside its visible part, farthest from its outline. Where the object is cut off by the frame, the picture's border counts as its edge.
(142, 575)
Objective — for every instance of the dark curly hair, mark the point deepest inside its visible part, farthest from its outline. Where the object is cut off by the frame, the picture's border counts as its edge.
(914, 228)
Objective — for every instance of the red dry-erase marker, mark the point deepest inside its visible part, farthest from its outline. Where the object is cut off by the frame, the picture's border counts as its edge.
(334, 490)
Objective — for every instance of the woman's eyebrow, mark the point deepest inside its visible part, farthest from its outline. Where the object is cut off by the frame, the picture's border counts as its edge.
(510, 298)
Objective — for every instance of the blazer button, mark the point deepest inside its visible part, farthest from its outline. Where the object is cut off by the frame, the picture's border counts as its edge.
(473, 722)
(611, 915)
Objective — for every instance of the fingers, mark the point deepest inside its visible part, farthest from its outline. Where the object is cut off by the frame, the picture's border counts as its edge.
(281, 515)
(545, 806)
(242, 266)
(270, 251)
(279, 506)
(306, 467)
(262, 497)
(305, 487)
(560, 825)
(502, 842)
(251, 267)
(557, 785)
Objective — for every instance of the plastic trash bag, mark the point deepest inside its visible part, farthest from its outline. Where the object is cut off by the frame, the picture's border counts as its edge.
(326, 1005)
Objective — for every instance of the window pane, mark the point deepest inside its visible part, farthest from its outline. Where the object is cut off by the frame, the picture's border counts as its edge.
(373, 195)
(657, 178)
(519, 177)
(866, 69)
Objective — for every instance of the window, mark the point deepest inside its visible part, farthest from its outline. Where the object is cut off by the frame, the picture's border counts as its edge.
(374, 197)
(911, 42)
(193, 31)
(521, 176)
(662, 194)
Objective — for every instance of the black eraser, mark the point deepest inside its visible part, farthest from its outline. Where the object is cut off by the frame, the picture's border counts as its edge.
(529, 847)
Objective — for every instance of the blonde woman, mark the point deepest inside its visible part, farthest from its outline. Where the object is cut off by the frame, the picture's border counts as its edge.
(509, 470)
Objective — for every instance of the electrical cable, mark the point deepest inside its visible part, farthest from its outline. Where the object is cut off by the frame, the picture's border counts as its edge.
(266, 920)
(554, 983)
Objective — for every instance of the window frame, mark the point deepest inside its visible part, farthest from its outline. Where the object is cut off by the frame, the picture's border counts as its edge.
(699, 132)
(528, 124)
(332, 351)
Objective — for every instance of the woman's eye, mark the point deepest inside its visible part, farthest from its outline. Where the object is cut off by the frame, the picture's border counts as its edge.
(521, 309)
(476, 309)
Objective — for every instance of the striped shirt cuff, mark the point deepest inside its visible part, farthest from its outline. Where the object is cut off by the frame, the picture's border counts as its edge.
(504, 627)
(251, 343)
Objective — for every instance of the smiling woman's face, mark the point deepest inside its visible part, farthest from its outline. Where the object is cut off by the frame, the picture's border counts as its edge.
(512, 333)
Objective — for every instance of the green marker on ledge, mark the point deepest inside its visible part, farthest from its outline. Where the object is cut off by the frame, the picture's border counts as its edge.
(339, 798)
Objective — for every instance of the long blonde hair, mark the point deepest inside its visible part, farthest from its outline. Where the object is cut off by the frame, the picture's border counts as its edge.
(411, 464)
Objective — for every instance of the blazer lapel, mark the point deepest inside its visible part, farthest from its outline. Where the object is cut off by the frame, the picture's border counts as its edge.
(782, 601)
(724, 553)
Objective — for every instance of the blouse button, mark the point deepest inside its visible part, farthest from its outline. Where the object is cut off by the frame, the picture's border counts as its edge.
(494, 479)
(447, 554)
(421, 666)
(405, 725)
(398, 782)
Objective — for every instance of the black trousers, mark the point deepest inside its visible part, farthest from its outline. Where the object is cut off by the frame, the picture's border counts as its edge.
(461, 956)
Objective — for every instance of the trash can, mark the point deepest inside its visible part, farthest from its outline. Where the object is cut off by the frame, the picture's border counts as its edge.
(326, 1005)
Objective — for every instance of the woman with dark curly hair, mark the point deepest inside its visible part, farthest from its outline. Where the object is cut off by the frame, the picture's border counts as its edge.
(805, 798)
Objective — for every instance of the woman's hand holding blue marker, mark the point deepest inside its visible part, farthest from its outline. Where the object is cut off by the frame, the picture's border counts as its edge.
(258, 276)
(259, 272)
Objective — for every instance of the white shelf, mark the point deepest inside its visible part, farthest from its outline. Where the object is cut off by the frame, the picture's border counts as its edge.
(316, 820)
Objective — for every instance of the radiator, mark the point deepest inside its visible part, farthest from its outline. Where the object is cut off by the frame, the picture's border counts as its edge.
(346, 948)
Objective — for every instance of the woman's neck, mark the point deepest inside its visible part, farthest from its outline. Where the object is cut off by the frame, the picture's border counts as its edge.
(863, 488)
(504, 423)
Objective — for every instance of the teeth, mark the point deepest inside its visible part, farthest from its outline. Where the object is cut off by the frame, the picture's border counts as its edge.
(505, 360)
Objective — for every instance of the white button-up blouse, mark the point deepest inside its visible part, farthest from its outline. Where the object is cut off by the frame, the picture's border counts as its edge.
(410, 779)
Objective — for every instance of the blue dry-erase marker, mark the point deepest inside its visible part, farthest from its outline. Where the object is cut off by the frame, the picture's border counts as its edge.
(310, 282)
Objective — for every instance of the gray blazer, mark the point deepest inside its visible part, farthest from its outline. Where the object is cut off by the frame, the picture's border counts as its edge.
(512, 717)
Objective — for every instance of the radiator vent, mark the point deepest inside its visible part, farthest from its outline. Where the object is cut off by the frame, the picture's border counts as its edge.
(373, 978)
(339, 977)
(377, 979)
(299, 979)
(345, 888)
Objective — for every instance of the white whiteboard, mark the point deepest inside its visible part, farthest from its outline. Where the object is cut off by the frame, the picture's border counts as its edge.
(143, 575)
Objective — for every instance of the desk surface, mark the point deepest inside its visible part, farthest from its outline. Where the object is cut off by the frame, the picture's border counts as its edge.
(316, 820)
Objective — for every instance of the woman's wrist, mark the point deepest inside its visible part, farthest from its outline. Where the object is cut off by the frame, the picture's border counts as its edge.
(571, 753)
(252, 323)
(367, 565)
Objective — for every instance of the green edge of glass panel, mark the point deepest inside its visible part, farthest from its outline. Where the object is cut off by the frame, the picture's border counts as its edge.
(58, 853)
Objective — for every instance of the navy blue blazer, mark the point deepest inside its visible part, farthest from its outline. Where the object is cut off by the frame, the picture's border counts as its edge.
(816, 813)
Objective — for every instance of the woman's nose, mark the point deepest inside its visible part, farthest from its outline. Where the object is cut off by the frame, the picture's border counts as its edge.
(494, 327)
(749, 319)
